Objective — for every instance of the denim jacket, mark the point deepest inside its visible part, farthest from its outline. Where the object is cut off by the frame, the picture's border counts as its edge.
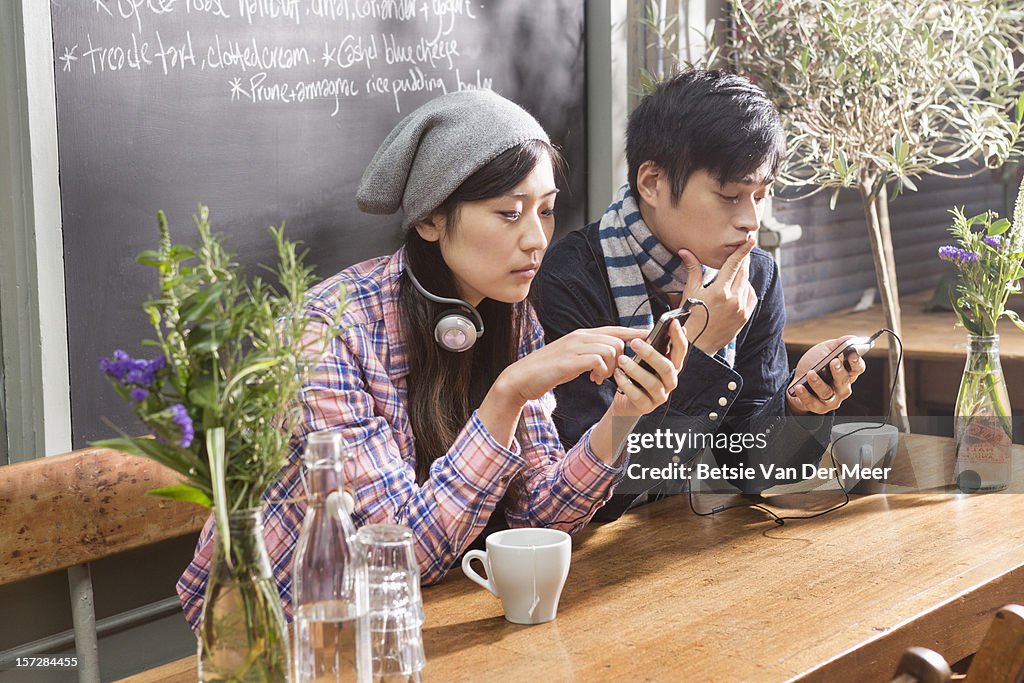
(572, 292)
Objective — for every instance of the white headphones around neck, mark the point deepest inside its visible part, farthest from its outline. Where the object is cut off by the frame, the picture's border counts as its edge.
(456, 329)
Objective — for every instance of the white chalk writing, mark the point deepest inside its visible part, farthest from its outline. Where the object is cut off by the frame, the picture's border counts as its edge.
(253, 55)
(252, 10)
(281, 52)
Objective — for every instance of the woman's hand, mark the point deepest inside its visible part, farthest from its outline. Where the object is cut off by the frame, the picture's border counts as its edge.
(596, 351)
(653, 390)
(590, 350)
(648, 390)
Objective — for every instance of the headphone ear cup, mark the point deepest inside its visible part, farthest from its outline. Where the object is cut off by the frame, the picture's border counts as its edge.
(454, 331)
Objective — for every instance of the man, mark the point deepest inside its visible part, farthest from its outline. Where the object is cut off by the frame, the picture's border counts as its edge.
(703, 150)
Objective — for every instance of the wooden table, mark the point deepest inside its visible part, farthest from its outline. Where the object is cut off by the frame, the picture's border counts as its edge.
(934, 351)
(663, 594)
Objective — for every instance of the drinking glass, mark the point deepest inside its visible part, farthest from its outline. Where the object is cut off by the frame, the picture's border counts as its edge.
(396, 605)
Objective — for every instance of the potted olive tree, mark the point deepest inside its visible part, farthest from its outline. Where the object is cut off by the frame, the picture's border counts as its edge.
(875, 93)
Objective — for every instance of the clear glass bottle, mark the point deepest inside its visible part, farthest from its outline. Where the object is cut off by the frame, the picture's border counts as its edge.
(329, 587)
(984, 427)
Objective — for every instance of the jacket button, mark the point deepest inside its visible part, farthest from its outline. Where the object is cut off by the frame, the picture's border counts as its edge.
(713, 416)
(723, 401)
(732, 386)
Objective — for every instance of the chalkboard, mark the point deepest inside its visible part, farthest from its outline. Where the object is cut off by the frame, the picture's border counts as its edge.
(267, 111)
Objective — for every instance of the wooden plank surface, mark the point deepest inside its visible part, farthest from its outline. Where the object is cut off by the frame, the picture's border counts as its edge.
(78, 507)
(925, 335)
(663, 594)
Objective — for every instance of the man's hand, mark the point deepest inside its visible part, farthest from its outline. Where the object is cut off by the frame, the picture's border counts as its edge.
(829, 397)
(730, 299)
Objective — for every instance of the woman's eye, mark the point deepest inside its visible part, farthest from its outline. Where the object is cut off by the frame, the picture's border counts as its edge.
(511, 215)
(548, 212)
(729, 197)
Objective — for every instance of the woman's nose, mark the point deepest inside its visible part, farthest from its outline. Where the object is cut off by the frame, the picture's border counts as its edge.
(536, 235)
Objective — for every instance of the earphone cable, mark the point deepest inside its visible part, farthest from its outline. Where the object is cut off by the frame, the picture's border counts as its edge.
(781, 520)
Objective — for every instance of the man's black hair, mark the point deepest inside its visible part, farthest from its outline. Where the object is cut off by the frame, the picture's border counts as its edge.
(714, 121)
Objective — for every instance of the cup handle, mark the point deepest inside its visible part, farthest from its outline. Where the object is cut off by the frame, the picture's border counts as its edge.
(866, 456)
(473, 574)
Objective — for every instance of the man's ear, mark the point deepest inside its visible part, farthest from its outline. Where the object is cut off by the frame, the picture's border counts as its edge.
(432, 227)
(648, 179)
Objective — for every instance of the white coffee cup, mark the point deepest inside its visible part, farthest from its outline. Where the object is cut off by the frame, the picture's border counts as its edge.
(862, 445)
(526, 569)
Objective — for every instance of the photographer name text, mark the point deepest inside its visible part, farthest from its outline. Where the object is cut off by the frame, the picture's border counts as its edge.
(708, 472)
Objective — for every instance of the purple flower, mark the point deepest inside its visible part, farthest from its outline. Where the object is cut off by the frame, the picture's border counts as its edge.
(179, 416)
(138, 395)
(993, 242)
(957, 256)
(132, 371)
(148, 372)
(116, 366)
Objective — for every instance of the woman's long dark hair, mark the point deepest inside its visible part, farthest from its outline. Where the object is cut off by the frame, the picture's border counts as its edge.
(446, 387)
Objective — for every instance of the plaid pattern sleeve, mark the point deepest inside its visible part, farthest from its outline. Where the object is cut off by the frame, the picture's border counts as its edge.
(358, 391)
(562, 489)
(448, 510)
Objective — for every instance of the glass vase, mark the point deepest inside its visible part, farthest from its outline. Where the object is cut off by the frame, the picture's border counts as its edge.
(984, 427)
(243, 635)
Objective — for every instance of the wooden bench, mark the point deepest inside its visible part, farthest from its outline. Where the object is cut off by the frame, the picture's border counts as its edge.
(65, 511)
(1000, 659)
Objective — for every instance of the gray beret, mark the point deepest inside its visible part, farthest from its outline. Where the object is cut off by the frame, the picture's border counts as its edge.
(433, 150)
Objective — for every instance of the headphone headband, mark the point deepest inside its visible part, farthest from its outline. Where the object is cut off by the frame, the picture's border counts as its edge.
(454, 330)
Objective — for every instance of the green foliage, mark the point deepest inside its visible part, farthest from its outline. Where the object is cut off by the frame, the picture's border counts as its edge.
(661, 44)
(883, 91)
(236, 352)
(182, 492)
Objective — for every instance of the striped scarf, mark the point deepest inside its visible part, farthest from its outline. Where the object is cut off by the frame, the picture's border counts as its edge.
(633, 256)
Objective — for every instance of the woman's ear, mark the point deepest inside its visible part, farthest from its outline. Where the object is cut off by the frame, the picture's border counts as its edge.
(648, 176)
(432, 227)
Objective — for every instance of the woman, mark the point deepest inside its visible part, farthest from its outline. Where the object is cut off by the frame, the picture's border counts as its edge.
(441, 437)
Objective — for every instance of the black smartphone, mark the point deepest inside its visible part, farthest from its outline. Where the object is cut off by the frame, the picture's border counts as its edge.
(858, 345)
(659, 337)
